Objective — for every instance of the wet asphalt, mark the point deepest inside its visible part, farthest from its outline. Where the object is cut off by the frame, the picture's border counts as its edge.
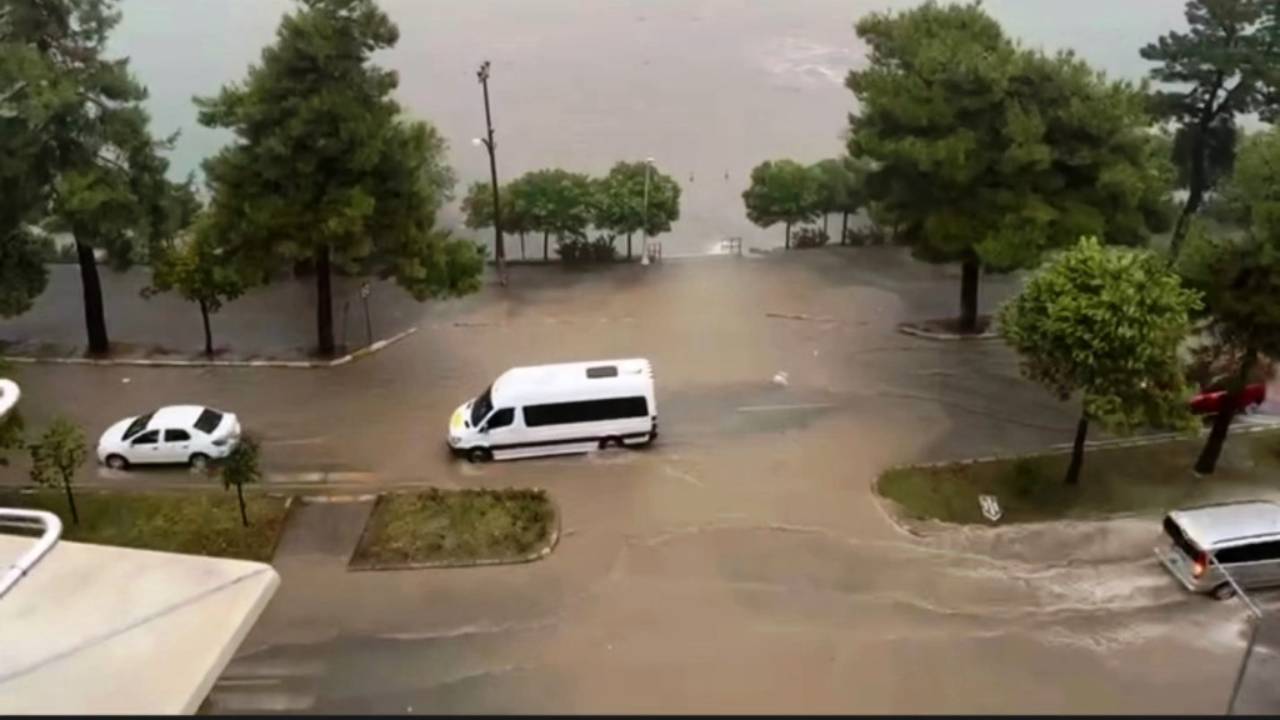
(743, 563)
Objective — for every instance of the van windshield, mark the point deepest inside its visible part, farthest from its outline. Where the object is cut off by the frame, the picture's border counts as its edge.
(481, 407)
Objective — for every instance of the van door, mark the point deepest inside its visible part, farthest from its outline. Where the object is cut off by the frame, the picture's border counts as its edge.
(500, 432)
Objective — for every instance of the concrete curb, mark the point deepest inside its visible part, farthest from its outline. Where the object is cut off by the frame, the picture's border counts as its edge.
(143, 362)
(893, 512)
(1095, 445)
(914, 331)
(534, 556)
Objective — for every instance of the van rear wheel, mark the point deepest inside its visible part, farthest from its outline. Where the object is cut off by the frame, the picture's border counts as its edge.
(610, 442)
(1224, 592)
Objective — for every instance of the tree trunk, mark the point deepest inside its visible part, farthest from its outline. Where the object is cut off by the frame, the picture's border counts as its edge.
(208, 333)
(522, 245)
(969, 277)
(244, 514)
(1195, 185)
(71, 500)
(1208, 460)
(788, 236)
(324, 302)
(1077, 451)
(628, 246)
(826, 225)
(844, 227)
(546, 252)
(95, 321)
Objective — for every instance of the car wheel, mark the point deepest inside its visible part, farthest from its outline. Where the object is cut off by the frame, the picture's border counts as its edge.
(199, 461)
(117, 462)
(610, 442)
(1225, 591)
(479, 455)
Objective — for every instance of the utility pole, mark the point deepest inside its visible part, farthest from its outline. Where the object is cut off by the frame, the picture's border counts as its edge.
(648, 168)
(499, 251)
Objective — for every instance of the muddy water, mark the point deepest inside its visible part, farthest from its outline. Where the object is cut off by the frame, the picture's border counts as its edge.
(707, 87)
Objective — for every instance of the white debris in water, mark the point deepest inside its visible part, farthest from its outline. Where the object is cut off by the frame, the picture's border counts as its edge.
(780, 378)
(124, 380)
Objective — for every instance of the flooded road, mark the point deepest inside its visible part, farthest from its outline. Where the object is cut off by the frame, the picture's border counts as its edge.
(743, 563)
(709, 88)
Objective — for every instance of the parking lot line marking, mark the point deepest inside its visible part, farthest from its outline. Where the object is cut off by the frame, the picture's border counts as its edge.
(299, 441)
(776, 408)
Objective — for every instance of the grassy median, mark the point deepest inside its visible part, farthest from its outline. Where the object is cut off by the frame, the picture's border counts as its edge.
(1145, 479)
(194, 523)
(456, 527)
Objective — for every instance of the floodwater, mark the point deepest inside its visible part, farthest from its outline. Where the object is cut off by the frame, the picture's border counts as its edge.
(709, 88)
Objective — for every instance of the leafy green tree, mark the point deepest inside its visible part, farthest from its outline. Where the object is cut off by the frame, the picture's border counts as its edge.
(621, 201)
(1240, 279)
(515, 215)
(240, 469)
(325, 168)
(988, 154)
(555, 202)
(56, 456)
(782, 191)
(1218, 70)
(1106, 323)
(80, 133)
(199, 271)
(477, 206)
(26, 168)
(842, 189)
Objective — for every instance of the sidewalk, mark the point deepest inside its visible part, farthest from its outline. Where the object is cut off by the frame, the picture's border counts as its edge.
(275, 322)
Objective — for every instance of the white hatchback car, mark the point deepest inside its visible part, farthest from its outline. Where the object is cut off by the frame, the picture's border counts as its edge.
(175, 434)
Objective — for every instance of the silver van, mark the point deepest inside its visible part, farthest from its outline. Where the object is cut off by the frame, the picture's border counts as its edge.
(1243, 537)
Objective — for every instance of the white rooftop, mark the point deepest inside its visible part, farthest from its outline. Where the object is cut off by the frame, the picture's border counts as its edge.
(1210, 525)
(541, 378)
(107, 630)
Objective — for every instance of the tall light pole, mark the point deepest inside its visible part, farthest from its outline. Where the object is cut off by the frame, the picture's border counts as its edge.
(644, 252)
(499, 251)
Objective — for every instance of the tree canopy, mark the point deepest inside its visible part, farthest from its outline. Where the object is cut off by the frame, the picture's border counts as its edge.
(78, 155)
(620, 203)
(1223, 66)
(1240, 276)
(782, 191)
(555, 202)
(842, 188)
(1106, 323)
(989, 154)
(198, 270)
(325, 167)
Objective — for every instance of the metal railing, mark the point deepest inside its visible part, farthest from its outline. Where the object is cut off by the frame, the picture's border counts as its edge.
(50, 528)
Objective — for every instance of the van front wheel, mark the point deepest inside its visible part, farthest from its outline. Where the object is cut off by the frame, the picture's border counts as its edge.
(1224, 592)
(479, 455)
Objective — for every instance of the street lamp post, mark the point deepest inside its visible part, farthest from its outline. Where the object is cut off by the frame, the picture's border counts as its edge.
(499, 250)
(644, 253)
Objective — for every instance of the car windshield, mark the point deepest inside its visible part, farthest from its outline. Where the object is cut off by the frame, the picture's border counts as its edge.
(138, 425)
(481, 408)
(208, 421)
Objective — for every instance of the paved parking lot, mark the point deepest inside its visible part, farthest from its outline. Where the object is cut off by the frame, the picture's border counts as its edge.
(742, 563)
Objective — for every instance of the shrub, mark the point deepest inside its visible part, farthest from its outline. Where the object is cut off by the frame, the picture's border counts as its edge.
(580, 251)
(808, 237)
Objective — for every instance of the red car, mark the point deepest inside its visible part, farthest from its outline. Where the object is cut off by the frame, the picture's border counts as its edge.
(1209, 403)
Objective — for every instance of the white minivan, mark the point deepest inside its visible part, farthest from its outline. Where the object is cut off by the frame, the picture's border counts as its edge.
(558, 409)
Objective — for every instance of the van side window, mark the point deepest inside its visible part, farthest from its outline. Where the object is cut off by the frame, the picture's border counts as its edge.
(501, 418)
(1254, 552)
(585, 411)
